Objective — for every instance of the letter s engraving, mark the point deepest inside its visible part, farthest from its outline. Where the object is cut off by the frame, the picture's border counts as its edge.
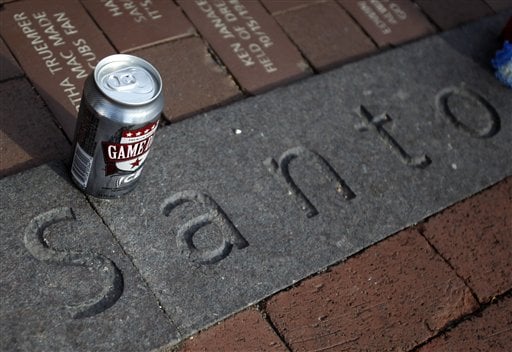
(111, 275)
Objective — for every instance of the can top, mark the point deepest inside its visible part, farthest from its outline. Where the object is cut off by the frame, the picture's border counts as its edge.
(128, 79)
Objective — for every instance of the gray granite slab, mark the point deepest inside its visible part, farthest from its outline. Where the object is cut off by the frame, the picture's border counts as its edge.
(66, 284)
(241, 202)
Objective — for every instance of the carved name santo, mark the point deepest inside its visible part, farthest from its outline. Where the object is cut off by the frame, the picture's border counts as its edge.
(113, 283)
(214, 215)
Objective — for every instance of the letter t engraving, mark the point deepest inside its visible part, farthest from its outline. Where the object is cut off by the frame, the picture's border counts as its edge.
(376, 123)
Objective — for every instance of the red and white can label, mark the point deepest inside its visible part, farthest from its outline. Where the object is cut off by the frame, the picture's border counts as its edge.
(129, 154)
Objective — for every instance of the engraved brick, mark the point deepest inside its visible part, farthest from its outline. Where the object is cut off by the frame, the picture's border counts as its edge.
(450, 13)
(488, 331)
(281, 6)
(249, 42)
(193, 81)
(389, 23)
(475, 237)
(57, 45)
(28, 135)
(325, 34)
(499, 5)
(246, 331)
(8, 66)
(393, 296)
(136, 24)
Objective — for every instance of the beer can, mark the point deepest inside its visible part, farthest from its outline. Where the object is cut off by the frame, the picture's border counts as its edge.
(121, 104)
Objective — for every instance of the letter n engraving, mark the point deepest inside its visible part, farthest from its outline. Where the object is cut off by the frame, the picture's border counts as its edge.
(282, 173)
(112, 277)
(443, 108)
(214, 215)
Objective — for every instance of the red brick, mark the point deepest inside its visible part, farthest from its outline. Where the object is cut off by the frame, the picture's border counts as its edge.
(391, 297)
(8, 66)
(28, 136)
(248, 41)
(138, 25)
(389, 22)
(246, 331)
(57, 45)
(450, 13)
(281, 6)
(193, 81)
(475, 236)
(489, 331)
(499, 5)
(325, 34)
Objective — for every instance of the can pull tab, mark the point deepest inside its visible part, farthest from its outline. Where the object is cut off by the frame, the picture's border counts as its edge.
(130, 80)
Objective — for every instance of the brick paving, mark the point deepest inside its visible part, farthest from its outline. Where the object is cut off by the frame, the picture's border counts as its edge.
(450, 13)
(400, 290)
(325, 34)
(443, 285)
(474, 236)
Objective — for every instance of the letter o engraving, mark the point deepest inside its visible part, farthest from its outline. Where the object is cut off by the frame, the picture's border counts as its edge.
(443, 108)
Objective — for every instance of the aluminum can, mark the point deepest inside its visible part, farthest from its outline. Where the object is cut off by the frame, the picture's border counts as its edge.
(118, 116)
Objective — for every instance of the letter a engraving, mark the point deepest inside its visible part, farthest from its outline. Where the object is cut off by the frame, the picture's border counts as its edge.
(375, 123)
(215, 216)
(112, 277)
(282, 172)
(443, 108)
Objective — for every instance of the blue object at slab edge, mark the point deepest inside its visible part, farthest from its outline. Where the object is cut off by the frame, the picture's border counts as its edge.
(502, 62)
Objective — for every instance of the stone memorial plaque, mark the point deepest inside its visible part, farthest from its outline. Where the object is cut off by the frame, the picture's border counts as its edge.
(325, 34)
(57, 45)
(249, 42)
(66, 283)
(281, 6)
(8, 66)
(134, 24)
(448, 14)
(389, 22)
(243, 201)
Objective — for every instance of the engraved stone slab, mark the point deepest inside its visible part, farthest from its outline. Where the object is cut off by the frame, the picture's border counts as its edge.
(135, 24)
(57, 45)
(243, 201)
(66, 283)
(249, 42)
(389, 22)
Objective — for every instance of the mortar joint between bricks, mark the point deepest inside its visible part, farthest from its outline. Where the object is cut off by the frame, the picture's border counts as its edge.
(421, 230)
(262, 308)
